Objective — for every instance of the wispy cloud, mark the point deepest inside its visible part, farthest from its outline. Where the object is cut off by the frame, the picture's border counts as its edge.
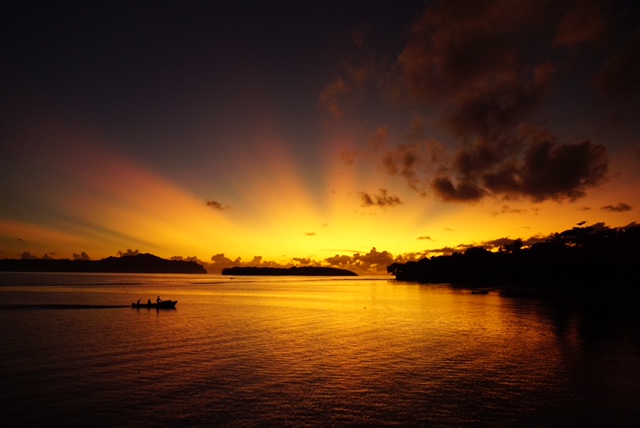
(217, 205)
(506, 209)
(330, 96)
(619, 208)
(382, 199)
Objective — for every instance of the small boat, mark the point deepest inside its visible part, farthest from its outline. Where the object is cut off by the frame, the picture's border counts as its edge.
(165, 304)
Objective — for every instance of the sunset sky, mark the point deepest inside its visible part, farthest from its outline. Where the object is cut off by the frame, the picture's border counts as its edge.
(342, 133)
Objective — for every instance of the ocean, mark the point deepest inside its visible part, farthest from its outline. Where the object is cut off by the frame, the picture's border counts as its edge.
(304, 351)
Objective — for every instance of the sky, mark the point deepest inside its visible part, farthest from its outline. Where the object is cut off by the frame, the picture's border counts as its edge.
(348, 134)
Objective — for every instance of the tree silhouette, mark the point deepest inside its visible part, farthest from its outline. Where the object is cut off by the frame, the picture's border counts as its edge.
(582, 258)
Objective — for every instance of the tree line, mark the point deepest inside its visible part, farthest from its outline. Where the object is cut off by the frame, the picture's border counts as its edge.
(577, 259)
(139, 263)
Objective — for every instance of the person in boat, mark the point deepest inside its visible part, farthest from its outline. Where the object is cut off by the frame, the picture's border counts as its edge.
(138, 302)
(158, 300)
(149, 302)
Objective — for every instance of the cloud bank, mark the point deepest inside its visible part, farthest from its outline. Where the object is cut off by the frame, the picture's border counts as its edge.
(479, 70)
(489, 64)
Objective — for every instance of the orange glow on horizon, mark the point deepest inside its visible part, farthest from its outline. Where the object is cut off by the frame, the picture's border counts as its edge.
(274, 209)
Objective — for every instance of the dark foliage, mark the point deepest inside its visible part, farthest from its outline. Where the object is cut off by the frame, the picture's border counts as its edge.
(141, 263)
(293, 271)
(578, 259)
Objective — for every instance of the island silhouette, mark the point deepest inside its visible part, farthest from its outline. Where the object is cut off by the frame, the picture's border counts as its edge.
(592, 258)
(140, 263)
(292, 271)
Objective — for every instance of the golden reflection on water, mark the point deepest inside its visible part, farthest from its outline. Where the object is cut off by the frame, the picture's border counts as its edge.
(297, 352)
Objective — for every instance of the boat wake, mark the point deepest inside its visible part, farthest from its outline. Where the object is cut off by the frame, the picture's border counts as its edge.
(61, 306)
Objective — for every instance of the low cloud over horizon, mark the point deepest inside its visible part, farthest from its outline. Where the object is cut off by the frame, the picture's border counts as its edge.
(373, 262)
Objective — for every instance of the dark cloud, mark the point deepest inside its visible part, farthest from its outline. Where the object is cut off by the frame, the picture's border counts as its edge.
(427, 238)
(374, 258)
(27, 256)
(81, 256)
(471, 56)
(460, 52)
(619, 208)
(506, 209)
(338, 260)
(217, 205)
(487, 65)
(497, 243)
(463, 191)
(187, 259)
(305, 261)
(413, 162)
(373, 262)
(501, 243)
(496, 107)
(584, 23)
(330, 96)
(546, 169)
(444, 251)
(382, 199)
(127, 253)
(620, 75)
(558, 171)
(220, 261)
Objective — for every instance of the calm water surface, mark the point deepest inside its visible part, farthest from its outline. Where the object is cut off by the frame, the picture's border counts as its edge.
(309, 352)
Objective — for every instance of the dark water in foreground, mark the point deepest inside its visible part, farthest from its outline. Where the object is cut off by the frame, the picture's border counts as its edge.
(309, 352)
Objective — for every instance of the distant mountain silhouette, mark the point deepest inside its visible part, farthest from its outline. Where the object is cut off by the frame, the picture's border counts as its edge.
(140, 263)
(582, 258)
(292, 271)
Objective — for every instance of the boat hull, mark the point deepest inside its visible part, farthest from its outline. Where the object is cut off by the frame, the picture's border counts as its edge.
(166, 304)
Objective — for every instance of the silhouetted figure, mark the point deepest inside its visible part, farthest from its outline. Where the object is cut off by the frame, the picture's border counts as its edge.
(149, 302)
(158, 300)
(138, 302)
